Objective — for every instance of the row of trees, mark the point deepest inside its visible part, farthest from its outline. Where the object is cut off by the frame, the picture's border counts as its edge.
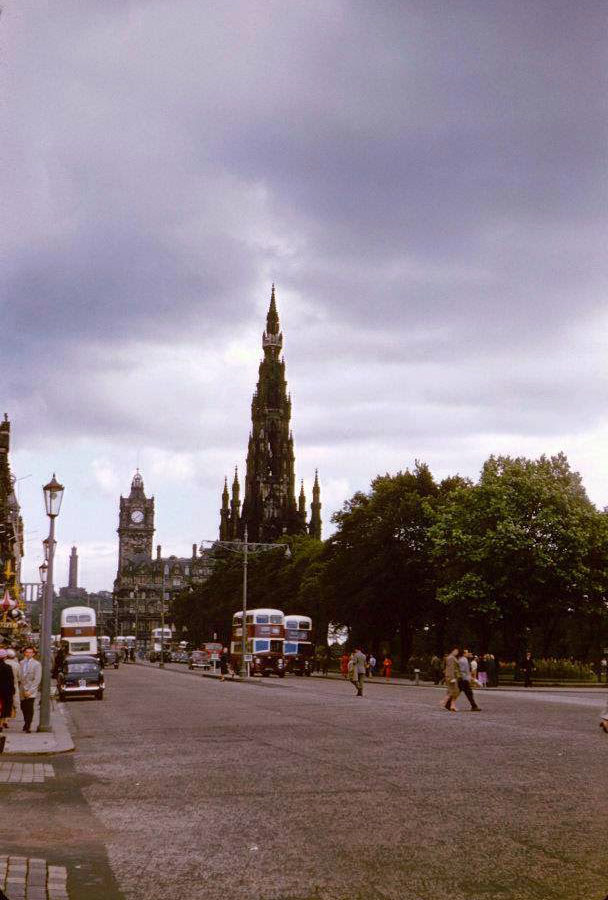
(517, 560)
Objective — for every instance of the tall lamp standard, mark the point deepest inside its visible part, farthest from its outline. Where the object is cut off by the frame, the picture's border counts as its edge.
(246, 547)
(53, 495)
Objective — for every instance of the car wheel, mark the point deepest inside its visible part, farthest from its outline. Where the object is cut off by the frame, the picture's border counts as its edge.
(116, 666)
(281, 674)
(99, 695)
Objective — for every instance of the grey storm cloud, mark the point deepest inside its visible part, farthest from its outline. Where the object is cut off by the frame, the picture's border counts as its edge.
(424, 180)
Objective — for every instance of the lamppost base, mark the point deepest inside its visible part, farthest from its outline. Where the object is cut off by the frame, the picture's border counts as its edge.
(44, 728)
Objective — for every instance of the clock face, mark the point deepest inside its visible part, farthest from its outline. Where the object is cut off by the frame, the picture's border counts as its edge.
(137, 516)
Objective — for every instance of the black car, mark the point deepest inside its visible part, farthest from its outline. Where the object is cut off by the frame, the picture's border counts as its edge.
(79, 676)
(110, 658)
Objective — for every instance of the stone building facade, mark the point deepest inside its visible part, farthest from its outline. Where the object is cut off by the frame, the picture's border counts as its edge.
(269, 508)
(12, 607)
(138, 586)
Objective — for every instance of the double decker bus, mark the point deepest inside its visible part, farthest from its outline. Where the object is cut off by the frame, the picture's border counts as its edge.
(78, 629)
(161, 639)
(298, 647)
(265, 634)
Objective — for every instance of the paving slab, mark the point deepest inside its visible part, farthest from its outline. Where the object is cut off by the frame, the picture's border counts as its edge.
(58, 740)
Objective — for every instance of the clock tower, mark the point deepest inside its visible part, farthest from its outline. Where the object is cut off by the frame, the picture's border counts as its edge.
(135, 525)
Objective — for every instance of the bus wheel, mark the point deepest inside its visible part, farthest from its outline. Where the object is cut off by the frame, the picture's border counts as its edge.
(281, 674)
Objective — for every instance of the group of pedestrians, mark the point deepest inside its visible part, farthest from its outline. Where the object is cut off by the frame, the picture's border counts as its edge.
(458, 678)
(346, 664)
(19, 683)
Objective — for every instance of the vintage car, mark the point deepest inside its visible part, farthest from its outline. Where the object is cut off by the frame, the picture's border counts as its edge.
(199, 659)
(111, 659)
(80, 676)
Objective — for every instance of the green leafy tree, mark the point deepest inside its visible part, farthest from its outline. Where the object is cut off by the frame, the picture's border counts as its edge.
(379, 574)
(514, 550)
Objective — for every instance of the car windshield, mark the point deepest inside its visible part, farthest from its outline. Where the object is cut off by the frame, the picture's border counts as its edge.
(83, 668)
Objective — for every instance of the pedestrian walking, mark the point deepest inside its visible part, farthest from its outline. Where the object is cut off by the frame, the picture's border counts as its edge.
(372, 664)
(482, 671)
(387, 667)
(31, 673)
(474, 666)
(492, 670)
(58, 660)
(325, 661)
(224, 660)
(450, 676)
(13, 662)
(436, 669)
(344, 660)
(464, 679)
(528, 668)
(357, 662)
(7, 689)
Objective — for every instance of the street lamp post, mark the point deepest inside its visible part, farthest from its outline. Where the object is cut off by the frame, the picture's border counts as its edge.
(53, 495)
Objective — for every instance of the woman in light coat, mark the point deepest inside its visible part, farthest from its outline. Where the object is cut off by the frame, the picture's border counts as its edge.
(451, 675)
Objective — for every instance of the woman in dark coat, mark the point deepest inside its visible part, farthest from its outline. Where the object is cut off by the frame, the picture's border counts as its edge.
(7, 689)
(224, 659)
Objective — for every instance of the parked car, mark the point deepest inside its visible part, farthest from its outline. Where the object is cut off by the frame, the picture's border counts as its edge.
(199, 659)
(80, 676)
(181, 657)
(111, 658)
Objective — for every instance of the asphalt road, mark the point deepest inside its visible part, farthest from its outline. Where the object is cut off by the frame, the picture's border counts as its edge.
(297, 790)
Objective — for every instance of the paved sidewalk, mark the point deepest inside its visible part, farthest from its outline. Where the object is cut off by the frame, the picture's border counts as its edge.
(26, 878)
(59, 740)
(25, 773)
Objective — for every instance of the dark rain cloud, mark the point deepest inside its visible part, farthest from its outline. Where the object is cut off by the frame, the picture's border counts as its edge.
(424, 180)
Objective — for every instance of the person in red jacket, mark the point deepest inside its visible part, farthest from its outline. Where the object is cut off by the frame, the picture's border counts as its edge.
(344, 664)
(388, 665)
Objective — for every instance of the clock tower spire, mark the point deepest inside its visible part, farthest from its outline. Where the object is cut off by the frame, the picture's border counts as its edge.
(135, 525)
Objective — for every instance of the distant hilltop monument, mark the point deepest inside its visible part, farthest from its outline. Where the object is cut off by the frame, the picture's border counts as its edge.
(269, 509)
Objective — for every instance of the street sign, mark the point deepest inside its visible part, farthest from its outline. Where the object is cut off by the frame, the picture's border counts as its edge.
(248, 657)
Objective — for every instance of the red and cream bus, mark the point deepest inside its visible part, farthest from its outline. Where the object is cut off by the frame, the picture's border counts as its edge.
(265, 633)
(79, 630)
(298, 648)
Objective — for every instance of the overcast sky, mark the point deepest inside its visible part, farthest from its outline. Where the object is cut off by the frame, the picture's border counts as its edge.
(424, 181)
